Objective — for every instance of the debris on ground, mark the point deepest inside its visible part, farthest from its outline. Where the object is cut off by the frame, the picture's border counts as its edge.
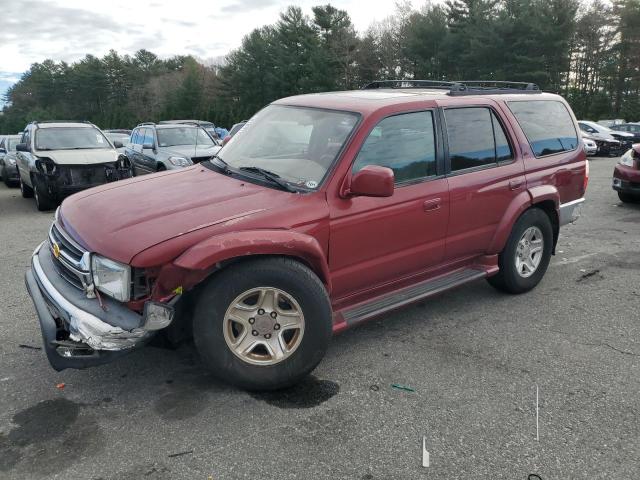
(29, 347)
(588, 274)
(374, 388)
(179, 454)
(60, 386)
(402, 387)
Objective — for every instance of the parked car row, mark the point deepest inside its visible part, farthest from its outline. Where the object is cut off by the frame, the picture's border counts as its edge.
(324, 211)
(608, 141)
(50, 160)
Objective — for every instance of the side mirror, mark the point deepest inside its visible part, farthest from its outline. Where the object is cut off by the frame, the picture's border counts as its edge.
(22, 147)
(147, 146)
(118, 144)
(372, 181)
(2, 150)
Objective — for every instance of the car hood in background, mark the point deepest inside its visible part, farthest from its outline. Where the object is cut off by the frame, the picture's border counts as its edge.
(190, 150)
(121, 219)
(89, 156)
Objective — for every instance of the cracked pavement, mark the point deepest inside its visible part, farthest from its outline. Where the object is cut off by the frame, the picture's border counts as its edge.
(473, 356)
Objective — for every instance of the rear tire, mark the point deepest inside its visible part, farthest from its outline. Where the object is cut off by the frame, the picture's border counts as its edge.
(300, 299)
(628, 197)
(25, 190)
(522, 266)
(160, 168)
(44, 201)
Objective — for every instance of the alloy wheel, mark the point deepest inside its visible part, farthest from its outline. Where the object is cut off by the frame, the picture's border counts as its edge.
(263, 326)
(529, 252)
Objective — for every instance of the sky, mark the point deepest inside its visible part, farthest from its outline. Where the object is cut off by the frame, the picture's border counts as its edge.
(34, 30)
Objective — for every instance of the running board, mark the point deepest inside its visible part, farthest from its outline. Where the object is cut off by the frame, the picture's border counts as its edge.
(411, 294)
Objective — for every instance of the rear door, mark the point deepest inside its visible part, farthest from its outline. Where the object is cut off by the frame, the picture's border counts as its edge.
(485, 174)
(375, 241)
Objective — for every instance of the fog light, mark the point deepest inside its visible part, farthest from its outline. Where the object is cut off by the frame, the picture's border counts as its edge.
(617, 182)
(157, 315)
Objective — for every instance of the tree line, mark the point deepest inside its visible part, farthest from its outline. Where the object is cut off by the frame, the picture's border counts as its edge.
(588, 52)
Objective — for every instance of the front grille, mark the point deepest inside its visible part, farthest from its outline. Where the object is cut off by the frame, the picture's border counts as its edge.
(71, 259)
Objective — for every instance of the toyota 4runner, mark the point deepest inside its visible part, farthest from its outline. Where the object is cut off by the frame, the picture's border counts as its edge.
(330, 210)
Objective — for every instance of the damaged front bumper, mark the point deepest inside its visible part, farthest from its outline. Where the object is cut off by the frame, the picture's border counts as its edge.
(77, 331)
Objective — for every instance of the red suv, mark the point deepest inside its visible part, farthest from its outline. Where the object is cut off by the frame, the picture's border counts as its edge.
(626, 175)
(328, 210)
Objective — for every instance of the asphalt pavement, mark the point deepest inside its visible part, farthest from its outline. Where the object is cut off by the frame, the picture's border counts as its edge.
(465, 366)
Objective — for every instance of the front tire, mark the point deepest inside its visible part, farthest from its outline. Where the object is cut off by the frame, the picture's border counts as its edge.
(628, 197)
(44, 201)
(25, 190)
(526, 256)
(263, 324)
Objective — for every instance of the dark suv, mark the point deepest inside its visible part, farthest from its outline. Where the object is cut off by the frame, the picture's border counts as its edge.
(330, 209)
(157, 147)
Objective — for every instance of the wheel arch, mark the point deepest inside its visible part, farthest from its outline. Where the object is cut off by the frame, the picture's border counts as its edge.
(543, 197)
(217, 253)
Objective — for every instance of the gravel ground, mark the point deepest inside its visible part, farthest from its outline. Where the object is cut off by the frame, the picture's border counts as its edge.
(473, 358)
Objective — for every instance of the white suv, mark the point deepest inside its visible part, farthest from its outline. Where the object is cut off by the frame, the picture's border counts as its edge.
(56, 159)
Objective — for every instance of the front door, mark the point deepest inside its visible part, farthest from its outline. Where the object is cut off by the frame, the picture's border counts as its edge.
(378, 240)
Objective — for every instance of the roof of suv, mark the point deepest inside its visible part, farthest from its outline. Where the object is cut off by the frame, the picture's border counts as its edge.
(64, 124)
(367, 101)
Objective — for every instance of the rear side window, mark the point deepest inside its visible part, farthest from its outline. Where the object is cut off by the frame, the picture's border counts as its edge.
(476, 138)
(404, 143)
(547, 125)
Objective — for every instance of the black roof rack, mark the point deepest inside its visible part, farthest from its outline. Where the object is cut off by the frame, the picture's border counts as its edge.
(461, 87)
(145, 123)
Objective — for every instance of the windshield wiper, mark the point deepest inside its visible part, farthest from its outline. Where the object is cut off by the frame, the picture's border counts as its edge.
(221, 164)
(271, 176)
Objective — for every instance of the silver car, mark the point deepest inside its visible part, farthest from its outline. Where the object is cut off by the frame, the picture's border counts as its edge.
(154, 148)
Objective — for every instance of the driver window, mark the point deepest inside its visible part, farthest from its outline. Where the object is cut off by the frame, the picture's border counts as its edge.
(404, 143)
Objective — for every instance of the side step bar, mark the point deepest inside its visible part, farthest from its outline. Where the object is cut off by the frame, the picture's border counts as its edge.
(411, 294)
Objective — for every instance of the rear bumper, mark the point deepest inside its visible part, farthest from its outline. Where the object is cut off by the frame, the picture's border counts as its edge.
(76, 331)
(626, 180)
(570, 211)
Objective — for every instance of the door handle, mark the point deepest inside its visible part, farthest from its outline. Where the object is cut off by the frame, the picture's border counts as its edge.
(431, 205)
(515, 184)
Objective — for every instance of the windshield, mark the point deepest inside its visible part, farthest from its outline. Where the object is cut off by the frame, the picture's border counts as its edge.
(174, 136)
(123, 137)
(70, 138)
(298, 144)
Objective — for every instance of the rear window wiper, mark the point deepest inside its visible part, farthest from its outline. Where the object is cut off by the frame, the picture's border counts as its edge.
(272, 177)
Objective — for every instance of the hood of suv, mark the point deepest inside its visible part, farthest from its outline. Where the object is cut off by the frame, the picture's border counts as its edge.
(89, 156)
(189, 150)
(121, 219)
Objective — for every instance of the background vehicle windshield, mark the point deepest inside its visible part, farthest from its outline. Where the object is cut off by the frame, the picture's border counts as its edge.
(70, 138)
(299, 144)
(123, 137)
(11, 143)
(171, 137)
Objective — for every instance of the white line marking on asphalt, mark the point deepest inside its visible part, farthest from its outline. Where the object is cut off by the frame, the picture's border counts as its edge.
(425, 454)
(537, 429)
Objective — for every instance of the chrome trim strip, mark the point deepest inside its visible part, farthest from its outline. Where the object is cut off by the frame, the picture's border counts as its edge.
(570, 211)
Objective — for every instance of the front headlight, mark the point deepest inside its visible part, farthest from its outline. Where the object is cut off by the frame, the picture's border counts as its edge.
(627, 159)
(112, 278)
(180, 161)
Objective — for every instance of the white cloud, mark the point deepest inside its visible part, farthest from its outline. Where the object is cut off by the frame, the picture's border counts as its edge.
(69, 29)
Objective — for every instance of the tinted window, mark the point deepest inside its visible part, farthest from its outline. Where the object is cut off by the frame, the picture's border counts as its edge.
(471, 139)
(404, 143)
(148, 137)
(503, 149)
(547, 125)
